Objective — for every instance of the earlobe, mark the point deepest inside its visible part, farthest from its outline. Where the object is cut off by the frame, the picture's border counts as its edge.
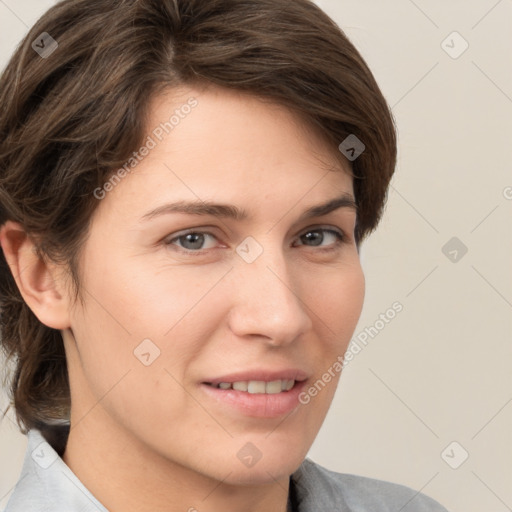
(36, 278)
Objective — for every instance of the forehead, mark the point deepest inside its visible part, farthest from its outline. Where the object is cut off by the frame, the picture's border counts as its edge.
(214, 143)
(226, 116)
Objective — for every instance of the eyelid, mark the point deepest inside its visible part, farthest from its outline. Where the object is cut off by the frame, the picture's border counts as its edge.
(342, 237)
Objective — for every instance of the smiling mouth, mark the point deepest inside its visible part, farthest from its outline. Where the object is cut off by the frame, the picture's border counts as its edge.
(256, 386)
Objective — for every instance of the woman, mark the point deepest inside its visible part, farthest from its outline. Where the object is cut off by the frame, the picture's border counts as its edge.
(184, 189)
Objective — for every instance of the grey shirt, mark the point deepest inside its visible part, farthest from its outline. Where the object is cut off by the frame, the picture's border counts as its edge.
(47, 484)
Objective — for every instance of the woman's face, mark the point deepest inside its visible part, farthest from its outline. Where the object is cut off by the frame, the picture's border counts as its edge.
(175, 302)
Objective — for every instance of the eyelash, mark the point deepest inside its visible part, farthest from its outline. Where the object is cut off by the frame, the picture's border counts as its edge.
(341, 239)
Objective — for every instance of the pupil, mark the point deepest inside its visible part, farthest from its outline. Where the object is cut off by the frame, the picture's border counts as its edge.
(194, 238)
(314, 236)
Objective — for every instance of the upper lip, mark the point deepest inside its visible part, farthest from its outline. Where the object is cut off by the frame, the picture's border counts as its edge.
(261, 375)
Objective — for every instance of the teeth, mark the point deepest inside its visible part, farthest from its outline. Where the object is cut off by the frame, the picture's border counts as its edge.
(256, 386)
(273, 387)
(259, 386)
(240, 386)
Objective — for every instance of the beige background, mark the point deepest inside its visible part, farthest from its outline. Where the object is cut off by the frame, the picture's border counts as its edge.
(439, 372)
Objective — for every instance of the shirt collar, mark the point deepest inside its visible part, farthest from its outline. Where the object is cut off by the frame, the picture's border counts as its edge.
(47, 483)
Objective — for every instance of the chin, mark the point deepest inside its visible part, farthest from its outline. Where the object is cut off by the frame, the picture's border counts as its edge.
(266, 470)
(261, 474)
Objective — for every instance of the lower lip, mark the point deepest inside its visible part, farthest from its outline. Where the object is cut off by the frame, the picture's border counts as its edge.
(258, 405)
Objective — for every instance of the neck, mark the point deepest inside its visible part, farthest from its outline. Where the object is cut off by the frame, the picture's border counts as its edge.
(124, 475)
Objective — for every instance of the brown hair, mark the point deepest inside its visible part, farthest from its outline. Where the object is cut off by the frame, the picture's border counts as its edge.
(69, 119)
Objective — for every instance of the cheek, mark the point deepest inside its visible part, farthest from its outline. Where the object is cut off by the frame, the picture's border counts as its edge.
(125, 361)
(143, 314)
(338, 301)
(335, 306)
(152, 299)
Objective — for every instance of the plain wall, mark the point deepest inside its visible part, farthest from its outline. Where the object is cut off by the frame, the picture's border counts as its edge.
(439, 371)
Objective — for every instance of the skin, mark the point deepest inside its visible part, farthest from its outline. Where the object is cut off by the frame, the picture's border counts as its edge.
(147, 438)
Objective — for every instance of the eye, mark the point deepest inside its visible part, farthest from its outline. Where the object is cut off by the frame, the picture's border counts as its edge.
(198, 241)
(317, 236)
(192, 241)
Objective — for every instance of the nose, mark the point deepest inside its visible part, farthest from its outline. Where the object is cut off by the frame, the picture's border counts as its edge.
(267, 302)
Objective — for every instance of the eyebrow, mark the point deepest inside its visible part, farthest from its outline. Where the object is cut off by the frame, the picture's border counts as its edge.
(230, 211)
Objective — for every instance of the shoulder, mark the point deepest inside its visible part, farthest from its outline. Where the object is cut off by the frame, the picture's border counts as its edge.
(317, 487)
(47, 484)
(30, 491)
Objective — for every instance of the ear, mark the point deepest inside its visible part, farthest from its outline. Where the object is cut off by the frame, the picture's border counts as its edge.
(38, 280)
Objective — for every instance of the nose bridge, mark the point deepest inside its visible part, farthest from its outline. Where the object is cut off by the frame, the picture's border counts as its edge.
(267, 301)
